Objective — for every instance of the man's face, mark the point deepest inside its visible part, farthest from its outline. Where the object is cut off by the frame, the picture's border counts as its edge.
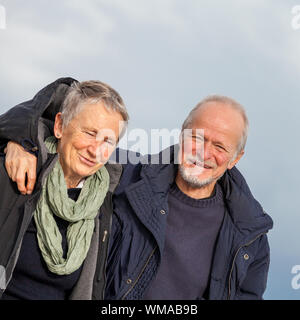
(209, 146)
(88, 140)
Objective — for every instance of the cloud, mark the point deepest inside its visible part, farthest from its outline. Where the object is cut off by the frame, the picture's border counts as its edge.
(164, 13)
(34, 50)
(39, 42)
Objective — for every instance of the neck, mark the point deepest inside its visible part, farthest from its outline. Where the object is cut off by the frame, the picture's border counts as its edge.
(192, 192)
(72, 180)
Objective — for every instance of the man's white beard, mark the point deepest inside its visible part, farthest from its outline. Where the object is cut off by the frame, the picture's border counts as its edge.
(193, 180)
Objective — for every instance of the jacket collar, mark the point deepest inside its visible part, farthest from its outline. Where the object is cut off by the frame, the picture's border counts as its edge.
(245, 211)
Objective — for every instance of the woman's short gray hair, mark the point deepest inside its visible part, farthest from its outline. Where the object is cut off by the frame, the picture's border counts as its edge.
(230, 102)
(92, 92)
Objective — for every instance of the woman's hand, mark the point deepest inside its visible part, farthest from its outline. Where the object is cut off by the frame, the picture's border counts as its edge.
(18, 164)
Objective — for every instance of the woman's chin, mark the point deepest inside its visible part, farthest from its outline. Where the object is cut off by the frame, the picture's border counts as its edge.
(85, 171)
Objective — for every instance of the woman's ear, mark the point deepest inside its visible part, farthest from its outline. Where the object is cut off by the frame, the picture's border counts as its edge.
(58, 126)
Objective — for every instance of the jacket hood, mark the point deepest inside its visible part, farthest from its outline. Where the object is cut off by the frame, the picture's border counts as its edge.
(244, 210)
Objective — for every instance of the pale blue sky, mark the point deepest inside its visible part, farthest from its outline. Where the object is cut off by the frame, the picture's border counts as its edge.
(163, 56)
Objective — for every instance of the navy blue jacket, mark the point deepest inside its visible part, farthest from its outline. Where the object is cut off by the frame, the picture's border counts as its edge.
(241, 259)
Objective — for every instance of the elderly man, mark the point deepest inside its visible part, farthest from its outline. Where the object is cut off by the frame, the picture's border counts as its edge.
(187, 231)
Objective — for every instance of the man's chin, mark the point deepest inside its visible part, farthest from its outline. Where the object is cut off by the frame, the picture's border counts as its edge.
(193, 179)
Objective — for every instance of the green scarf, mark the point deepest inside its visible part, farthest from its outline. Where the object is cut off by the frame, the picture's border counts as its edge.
(54, 200)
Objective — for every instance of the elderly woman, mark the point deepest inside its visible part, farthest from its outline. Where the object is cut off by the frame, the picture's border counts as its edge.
(49, 241)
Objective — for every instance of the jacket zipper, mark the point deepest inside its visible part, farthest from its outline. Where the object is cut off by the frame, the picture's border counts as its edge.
(140, 274)
(231, 270)
(106, 238)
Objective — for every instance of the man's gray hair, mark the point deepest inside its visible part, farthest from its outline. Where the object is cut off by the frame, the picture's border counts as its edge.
(227, 101)
(92, 92)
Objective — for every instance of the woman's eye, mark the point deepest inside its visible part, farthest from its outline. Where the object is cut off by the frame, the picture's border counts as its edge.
(92, 134)
(109, 142)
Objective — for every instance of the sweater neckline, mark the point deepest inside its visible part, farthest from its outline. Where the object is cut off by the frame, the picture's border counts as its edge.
(216, 198)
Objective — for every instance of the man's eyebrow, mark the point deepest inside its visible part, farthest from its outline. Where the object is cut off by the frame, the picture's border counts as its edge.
(197, 135)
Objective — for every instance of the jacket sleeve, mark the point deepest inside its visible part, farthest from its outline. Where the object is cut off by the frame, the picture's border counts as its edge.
(19, 124)
(254, 284)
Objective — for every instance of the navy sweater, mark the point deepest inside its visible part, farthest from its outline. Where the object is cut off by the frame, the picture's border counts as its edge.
(191, 232)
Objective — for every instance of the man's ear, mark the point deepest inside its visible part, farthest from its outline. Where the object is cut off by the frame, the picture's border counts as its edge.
(58, 126)
(236, 160)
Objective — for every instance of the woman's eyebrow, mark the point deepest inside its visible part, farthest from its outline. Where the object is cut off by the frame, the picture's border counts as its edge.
(90, 129)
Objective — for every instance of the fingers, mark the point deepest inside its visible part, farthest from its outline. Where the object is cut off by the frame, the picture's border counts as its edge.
(31, 178)
(19, 176)
(17, 173)
(19, 164)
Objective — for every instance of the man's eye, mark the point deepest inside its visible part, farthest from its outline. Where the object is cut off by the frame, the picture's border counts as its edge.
(220, 147)
(197, 138)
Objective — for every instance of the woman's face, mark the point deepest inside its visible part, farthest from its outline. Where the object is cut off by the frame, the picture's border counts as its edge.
(89, 139)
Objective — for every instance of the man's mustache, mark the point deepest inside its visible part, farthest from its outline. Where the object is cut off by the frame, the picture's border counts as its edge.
(197, 160)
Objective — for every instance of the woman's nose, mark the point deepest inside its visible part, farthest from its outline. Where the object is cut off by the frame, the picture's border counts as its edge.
(99, 151)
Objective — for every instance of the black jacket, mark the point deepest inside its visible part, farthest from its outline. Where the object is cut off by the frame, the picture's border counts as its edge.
(16, 210)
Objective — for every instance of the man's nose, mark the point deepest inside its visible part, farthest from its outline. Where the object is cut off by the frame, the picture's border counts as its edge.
(204, 151)
(207, 151)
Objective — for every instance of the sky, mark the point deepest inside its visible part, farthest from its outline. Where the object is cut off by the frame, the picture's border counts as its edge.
(164, 56)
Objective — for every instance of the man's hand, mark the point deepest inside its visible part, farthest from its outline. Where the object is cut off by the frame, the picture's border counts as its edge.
(18, 163)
